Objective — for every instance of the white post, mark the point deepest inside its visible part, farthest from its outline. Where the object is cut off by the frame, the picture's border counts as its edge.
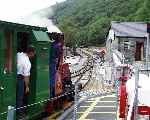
(75, 102)
(147, 49)
(136, 93)
(10, 114)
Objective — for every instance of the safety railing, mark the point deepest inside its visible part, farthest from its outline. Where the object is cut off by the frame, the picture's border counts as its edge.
(11, 109)
(135, 110)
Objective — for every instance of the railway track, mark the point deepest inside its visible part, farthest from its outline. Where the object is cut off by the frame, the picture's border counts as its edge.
(85, 76)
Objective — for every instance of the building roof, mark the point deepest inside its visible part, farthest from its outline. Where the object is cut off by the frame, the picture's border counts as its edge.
(129, 29)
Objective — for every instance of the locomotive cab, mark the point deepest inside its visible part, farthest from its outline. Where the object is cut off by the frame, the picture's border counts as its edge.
(16, 38)
(23, 42)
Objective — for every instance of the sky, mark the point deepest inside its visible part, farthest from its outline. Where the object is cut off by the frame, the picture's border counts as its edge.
(13, 9)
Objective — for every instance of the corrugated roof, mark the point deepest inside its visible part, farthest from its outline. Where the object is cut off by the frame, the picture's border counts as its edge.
(129, 29)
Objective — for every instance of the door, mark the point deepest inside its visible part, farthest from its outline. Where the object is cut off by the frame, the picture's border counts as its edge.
(139, 51)
(8, 70)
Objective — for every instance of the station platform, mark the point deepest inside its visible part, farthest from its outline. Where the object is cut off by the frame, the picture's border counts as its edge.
(99, 108)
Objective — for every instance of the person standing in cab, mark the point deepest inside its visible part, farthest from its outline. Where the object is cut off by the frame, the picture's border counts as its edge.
(23, 77)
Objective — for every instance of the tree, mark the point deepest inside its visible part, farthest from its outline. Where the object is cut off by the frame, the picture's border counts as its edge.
(87, 21)
(143, 14)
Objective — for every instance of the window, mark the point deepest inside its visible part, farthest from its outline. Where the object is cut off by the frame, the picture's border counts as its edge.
(8, 52)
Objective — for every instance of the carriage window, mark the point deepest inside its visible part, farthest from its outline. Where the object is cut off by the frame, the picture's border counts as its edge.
(8, 52)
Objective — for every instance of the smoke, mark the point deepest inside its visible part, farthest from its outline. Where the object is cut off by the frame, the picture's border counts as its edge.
(41, 18)
(16, 10)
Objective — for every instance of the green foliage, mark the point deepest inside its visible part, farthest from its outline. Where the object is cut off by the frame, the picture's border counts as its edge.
(86, 22)
(143, 14)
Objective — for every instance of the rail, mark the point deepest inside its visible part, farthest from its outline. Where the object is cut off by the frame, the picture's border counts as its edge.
(85, 67)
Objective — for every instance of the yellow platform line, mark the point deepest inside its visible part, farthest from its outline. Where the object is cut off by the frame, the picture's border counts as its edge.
(113, 95)
(96, 113)
(53, 116)
(85, 114)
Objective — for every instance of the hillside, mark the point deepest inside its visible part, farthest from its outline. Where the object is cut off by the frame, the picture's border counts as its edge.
(86, 22)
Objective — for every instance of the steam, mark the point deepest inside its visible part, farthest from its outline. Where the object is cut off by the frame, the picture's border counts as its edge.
(41, 18)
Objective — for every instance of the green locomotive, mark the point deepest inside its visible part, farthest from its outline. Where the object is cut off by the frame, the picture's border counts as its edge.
(47, 79)
(15, 36)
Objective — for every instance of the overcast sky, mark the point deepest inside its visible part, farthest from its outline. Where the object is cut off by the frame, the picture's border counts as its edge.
(12, 9)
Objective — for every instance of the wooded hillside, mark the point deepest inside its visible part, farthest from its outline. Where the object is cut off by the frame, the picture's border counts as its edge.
(86, 22)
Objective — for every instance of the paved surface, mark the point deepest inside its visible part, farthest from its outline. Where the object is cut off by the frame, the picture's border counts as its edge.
(100, 108)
